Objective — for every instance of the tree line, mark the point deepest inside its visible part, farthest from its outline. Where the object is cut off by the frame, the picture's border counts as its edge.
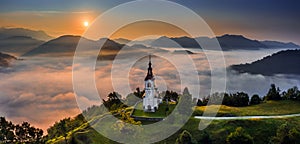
(240, 99)
(19, 133)
(64, 126)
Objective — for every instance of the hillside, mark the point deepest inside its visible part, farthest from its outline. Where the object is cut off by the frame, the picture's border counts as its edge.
(66, 46)
(233, 42)
(283, 62)
(268, 108)
(62, 46)
(227, 42)
(276, 44)
(18, 45)
(185, 42)
(260, 129)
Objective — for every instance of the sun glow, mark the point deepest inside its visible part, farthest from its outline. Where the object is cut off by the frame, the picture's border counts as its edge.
(86, 23)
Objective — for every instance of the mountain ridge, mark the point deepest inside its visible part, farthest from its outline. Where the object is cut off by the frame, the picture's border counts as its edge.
(227, 42)
(66, 45)
(36, 34)
(282, 62)
(18, 45)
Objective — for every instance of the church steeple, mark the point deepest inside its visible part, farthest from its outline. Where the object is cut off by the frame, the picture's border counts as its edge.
(149, 73)
(151, 99)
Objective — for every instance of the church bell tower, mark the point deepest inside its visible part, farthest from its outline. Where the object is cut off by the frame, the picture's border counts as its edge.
(150, 100)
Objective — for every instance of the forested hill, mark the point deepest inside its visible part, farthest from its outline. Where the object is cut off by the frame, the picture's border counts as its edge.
(283, 62)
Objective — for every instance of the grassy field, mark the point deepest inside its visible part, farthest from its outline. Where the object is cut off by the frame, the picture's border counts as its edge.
(160, 113)
(267, 108)
(260, 129)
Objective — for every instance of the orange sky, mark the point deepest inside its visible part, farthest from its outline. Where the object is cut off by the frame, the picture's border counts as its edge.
(52, 22)
(57, 23)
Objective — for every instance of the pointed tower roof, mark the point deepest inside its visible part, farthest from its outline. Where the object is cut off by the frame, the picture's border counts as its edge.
(149, 73)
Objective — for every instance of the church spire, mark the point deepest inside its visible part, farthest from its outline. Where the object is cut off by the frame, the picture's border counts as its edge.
(149, 73)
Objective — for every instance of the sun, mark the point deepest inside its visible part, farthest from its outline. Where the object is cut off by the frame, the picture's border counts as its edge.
(86, 23)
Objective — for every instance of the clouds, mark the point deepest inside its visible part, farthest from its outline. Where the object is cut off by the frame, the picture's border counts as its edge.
(40, 90)
(40, 95)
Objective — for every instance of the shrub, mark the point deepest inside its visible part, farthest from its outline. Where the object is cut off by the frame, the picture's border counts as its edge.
(239, 136)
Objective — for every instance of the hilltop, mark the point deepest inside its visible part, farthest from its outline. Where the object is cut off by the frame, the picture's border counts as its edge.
(283, 62)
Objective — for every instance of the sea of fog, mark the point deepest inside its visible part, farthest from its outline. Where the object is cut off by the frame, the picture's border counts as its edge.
(40, 89)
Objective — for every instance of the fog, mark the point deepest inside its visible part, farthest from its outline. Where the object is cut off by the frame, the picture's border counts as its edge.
(39, 90)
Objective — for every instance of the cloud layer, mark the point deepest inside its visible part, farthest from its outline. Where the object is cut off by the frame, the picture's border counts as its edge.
(40, 90)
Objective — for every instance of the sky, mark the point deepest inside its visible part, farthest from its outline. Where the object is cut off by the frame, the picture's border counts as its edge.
(40, 91)
(256, 19)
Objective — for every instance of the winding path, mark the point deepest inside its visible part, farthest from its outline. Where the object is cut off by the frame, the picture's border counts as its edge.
(247, 117)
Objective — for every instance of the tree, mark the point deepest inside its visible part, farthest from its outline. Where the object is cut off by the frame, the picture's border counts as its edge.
(227, 100)
(24, 133)
(239, 136)
(255, 99)
(185, 138)
(113, 99)
(63, 128)
(291, 93)
(200, 103)
(273, 93)
(170, 96)
(6, 130)
(138, 93)
(240, 99)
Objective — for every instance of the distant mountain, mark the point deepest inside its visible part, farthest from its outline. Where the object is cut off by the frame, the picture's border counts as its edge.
(185, 42)
(121, 40)
(235, 42)
(109, 45)
(275, 44)
(61, 46)
(18, 45)
(145, 42)
(6, 59)
(182, 52)
(283, 62)
(11, 32)
(227, 42)
(66, 46)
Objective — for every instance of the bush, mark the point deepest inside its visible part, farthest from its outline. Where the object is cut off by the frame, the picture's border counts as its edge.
(185, 138)
(239, 136)
(286, 134)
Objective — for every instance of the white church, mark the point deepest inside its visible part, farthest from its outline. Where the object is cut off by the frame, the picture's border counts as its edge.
(151, 98)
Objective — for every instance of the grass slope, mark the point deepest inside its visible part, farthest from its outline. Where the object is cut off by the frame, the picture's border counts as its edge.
(160, 113)
(267, 108)
(260, 129)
